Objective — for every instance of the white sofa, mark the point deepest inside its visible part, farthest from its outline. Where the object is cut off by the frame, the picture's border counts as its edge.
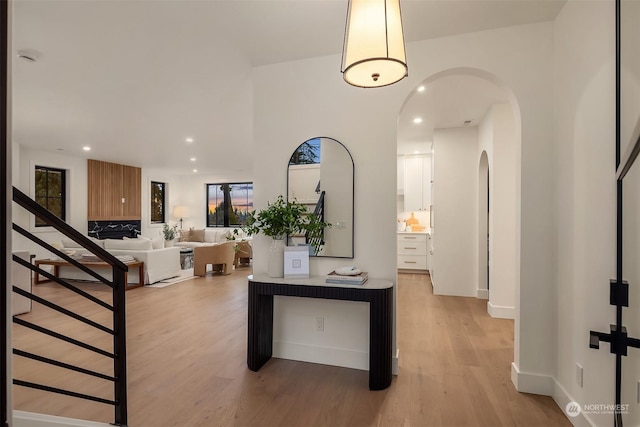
(159, 264)
(210, 236)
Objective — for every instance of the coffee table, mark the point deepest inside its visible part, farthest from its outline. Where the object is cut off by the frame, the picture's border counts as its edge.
(57, 263)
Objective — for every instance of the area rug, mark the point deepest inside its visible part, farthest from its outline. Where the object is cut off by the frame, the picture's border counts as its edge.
(184, 275)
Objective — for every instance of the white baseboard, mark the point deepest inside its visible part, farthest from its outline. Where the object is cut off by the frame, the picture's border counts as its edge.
(324, 355)
(329, 356)
(395, 363)
(532, 383)
(548, 386)
(483, 293)
(31, 419)
(501, 312)
(562, 398)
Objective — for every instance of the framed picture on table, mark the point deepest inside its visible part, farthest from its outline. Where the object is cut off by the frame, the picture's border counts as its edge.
(296, 262)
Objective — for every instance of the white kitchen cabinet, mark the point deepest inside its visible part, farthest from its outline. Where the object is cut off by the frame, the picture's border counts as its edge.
(417, 183)
(412, 251)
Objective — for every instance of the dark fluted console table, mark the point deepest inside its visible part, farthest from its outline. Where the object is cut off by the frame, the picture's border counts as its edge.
(378, 293)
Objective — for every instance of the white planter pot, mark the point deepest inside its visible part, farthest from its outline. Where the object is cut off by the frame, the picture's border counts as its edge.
(169, 243)
(275, 267)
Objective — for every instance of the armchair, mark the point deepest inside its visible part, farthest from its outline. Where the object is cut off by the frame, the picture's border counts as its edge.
(243, 254)
(220, 256)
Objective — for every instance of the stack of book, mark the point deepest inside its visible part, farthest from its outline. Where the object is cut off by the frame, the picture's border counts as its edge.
(358, 279)
(87, 257)
(125, 258)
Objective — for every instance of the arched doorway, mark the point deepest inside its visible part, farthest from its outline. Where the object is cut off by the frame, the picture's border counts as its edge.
(483, 219)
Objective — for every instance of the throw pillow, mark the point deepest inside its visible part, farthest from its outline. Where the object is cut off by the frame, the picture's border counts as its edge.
(185, 235)
(157, 242)
(210, 235)
(131, 244)
(97, 241)
(222, 236)
(68, 243)
(197, 235)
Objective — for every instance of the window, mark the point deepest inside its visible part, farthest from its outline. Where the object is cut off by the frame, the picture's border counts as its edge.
(307, 153)
(157, 202)
(51, 192)
(228, 204)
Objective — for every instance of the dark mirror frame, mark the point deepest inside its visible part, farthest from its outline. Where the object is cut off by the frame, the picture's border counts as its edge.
(352, 192)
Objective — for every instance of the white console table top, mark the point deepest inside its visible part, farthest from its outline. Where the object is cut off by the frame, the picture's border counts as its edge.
(320, 281)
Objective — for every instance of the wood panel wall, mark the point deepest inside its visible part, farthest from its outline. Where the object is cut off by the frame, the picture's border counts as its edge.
(115, 191)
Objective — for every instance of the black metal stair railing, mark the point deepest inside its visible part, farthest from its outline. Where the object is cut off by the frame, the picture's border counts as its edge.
(317, 240)
(117, 310)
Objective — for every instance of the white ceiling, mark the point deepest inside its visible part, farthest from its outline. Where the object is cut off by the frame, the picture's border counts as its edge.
(447, 102)
(132, 79)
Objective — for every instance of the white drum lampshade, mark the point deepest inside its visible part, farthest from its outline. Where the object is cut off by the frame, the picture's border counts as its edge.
(373, 54)
(180, 212)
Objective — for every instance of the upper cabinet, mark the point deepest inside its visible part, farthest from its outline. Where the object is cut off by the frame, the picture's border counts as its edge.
(115, 191)
(417, 183)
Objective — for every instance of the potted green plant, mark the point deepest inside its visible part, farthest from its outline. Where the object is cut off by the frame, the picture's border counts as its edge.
(279, 220)
(169, 232)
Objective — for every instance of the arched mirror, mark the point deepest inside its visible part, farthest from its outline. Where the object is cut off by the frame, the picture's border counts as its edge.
(320, 176)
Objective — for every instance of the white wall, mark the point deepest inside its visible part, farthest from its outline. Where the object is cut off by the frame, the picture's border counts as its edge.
(174, 192)
(190, 191)
(284, 117)
(584, 135)
(499, 140)
(303, 180)
(299, 100)
(631, 273)
(455, 207)
(76, 183)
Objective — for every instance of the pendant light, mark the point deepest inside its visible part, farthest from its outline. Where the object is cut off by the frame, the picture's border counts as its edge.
(373, 54)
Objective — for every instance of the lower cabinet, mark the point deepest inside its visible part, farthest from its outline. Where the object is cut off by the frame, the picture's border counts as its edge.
(412, 251)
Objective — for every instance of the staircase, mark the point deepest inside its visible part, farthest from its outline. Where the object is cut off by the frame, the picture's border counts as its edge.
(117, 329)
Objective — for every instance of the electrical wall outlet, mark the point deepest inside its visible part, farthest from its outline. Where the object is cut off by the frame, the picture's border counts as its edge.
(579, 374)
(319, 324)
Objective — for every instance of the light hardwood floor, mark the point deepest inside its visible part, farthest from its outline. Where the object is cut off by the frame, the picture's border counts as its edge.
(187, 365)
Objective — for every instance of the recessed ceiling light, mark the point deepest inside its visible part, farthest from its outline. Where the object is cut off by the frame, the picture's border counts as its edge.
(421, 88)
(193, 159)
(417, 120)
(86, 148)
(416, 151)
(189, 140)
(195, 170)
